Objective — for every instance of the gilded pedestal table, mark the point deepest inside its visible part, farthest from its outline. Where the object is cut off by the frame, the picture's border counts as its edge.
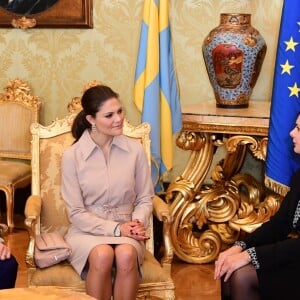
(210, 217)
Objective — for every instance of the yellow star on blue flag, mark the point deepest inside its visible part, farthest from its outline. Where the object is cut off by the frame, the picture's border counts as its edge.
(281, 161)
(156, 92)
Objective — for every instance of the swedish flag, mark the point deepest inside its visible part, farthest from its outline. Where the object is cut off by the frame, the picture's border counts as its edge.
(282, 162)
(155, 92)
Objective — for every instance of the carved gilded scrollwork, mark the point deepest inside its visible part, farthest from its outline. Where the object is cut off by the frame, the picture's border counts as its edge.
(75, 105)
(208, 218)
(23, 23)
(253, 211)
(257, 147)
(188, 140)
(18, 90)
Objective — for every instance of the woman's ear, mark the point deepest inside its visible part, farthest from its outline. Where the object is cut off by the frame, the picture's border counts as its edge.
(90, 119)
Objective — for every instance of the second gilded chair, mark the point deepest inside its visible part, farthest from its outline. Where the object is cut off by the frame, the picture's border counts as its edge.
(18, 109)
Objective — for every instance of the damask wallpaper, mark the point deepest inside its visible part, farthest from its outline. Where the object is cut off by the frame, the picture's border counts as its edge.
(57, 63)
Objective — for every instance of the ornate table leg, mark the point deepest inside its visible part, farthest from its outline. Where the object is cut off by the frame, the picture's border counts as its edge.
(209, 218)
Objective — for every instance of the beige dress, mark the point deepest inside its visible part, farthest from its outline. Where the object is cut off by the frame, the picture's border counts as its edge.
(100, 194)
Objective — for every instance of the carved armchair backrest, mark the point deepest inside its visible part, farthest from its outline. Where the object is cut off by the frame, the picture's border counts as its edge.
(48, 145)
(18, 109)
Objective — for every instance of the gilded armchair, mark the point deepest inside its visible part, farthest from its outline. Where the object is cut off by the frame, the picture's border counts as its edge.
(45, 211)
(18, 109)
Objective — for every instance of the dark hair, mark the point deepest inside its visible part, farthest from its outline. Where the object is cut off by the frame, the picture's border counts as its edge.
(91, 102)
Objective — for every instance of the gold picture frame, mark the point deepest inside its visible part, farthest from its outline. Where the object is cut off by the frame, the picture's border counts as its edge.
(63, 14)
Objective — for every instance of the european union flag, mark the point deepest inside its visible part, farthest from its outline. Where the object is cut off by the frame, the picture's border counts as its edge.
(281, 161)
(155, 93)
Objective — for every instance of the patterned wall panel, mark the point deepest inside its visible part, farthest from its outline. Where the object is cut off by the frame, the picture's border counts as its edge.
(59, 62)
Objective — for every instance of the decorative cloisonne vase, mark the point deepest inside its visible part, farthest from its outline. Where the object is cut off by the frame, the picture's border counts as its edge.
(233, 53)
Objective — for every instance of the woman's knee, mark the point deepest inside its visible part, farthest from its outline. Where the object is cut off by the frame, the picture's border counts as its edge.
(246, 273)
(244, 278)
(126, 257)
(101, 257)
(13, 264)
(8, 273)
(242, 284)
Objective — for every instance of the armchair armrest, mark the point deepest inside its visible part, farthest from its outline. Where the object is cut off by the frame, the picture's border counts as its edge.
(33, 206)
(162, 212)
(32, 214)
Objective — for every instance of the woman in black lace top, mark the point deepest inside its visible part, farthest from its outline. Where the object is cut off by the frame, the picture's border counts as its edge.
(266, 264)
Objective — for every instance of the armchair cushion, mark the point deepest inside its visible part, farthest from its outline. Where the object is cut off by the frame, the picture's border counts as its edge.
(13, 171)
(49, 277)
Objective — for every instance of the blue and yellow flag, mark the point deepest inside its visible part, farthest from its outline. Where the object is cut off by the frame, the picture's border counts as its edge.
(155, 92)
(281, 161)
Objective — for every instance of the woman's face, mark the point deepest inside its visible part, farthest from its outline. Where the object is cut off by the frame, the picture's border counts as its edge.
(109, 119)
(295, 134)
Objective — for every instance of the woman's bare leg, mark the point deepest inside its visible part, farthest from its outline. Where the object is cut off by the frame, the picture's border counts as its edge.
(127, 277)
(99, 279)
